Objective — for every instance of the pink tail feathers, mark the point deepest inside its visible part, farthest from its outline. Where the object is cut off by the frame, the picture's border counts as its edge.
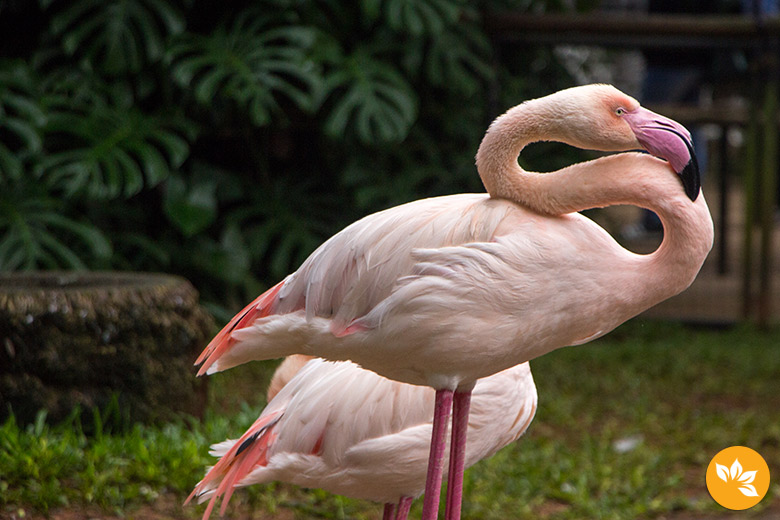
(222, 342)
(248, 452)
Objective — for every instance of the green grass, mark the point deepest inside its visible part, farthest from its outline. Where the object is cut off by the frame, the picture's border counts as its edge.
(678, 394)
(682, 394)
(44, 467)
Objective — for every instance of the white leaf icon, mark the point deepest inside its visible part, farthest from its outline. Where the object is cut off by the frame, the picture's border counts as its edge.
(723, 472)
(736, 469)
(747, 477)
(748, 490)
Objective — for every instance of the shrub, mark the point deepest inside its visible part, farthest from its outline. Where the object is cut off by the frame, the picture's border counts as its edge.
(225, 142)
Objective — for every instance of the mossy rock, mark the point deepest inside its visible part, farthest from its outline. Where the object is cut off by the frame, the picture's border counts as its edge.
(84, 339)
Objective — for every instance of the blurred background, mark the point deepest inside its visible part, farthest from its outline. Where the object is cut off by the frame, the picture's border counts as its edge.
(136, 133)
(223, 141)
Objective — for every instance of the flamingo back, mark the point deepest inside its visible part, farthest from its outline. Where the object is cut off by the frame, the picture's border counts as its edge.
(358, 267)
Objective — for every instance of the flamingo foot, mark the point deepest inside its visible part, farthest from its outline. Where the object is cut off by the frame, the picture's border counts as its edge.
(441, 415)
(460, 424)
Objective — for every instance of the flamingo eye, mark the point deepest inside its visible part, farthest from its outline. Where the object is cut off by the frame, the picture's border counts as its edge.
(620, 111)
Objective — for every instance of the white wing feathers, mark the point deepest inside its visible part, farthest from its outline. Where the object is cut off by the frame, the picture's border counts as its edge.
(358, 394)
(358, 267)
(355, 433)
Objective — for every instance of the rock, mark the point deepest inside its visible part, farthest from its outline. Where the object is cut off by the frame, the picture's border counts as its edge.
(84, 339)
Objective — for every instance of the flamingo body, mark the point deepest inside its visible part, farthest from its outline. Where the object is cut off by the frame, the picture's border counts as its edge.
(412, 292)
(338, 427)
(447, 290)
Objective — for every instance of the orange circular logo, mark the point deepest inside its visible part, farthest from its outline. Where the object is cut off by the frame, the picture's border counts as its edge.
(737, 478)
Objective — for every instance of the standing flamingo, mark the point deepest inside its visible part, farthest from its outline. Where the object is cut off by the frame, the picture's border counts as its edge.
(350, 431)
(443, 291)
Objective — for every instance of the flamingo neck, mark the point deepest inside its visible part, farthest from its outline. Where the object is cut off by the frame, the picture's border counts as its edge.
(550, 193)
(688, 238)
(627, 178)
(497, 156)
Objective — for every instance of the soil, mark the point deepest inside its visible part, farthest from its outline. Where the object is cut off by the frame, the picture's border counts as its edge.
(166, 507)
(170, 508)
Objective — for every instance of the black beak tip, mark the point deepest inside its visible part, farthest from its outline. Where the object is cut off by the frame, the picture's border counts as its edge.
(691, 178)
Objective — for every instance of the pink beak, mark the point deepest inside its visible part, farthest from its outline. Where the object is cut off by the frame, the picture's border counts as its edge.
(669, 140)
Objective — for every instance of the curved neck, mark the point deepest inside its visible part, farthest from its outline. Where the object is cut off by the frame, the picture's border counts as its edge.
(535, 121)
(627, 178)
(497, 156)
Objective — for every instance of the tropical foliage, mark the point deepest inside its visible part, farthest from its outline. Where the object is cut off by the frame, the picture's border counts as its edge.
(225, 141)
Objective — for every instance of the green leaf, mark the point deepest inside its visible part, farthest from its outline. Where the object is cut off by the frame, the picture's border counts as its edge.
(55, 253)
(26, 132)
(10, 165)
(190, 209)
(175, 146)
(21, 118)
(283, 222)
(372, 99)
(129, 174)
(36, 233)
(209, 84)
(153, 161)
(459, 60)
(138, 245)
(26, 107)
(228, 259)
(112, 151)
(252, 63)
(117, 37)
(92, 237)
(418, 17)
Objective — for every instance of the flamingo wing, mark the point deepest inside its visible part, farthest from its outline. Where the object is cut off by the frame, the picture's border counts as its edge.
(478, 297)
(358, 267)
(307, 430)
(494, 275)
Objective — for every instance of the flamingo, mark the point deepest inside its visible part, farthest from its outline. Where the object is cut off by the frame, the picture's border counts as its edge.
(336, 426)
(443, 291)
(286, 370)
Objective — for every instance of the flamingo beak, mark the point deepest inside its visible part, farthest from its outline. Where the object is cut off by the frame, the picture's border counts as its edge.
(669, 140)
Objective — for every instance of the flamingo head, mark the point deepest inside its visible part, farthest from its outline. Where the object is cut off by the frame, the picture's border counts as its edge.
(606, 119)
(661, 137)
(668, 139)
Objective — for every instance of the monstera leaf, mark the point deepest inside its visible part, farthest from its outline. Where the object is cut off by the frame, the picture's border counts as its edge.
(372, 99)
(112, 151)
(191, 208)
(21, 119)
(252, 62)
(35, 233)
(227, 259)
(119, 36)
(283, 221)
(420, 16)
(459, 59)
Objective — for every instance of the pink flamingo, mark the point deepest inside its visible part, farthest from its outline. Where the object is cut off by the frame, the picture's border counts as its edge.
(443, 291)
(350, 431)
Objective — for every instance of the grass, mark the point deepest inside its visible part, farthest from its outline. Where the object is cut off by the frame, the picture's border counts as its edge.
(44, 467)
(625, 429)
(678, 394)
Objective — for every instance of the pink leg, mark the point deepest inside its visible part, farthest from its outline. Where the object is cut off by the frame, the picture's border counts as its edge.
(403, 508)
(389, 511)
(460, 426)
(441, 415)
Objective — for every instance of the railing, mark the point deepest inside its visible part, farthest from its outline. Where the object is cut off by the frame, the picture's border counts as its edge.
(760, 37)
